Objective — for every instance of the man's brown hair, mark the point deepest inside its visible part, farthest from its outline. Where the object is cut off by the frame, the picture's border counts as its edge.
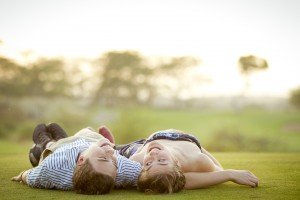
(167, 182)
(87, 181)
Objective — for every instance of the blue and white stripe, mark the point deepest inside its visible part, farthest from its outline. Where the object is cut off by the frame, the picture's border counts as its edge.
(128, 172)
(56, 170)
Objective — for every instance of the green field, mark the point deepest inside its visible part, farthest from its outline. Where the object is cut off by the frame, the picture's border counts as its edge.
(262, 141)
(248, 129)
(279, 175)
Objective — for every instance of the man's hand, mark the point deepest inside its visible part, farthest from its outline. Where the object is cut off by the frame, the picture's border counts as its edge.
(21, 177)
(243, 177)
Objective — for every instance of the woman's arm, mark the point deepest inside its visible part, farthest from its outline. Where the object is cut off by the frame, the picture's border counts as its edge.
(196, 180)
(216, 162)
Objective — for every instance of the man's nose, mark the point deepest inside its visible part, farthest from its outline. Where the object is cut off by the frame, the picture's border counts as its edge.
(153, 152)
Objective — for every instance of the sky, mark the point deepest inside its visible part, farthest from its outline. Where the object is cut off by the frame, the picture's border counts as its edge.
(216, 31)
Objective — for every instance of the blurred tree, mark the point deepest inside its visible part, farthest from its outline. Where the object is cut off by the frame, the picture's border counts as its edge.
(127, 77)
(45, 77)
(171, 76)
(11, 78)
(124, 77)
(250, 64)
(177, 65)
(295, 97)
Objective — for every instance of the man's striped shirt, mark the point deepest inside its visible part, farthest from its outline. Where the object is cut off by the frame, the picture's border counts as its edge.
(56, 170)
(128, 172)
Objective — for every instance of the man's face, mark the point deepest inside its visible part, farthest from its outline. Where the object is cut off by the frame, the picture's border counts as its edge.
(102, 158)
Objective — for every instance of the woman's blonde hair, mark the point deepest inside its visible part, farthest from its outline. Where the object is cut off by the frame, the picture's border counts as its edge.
(167, 182)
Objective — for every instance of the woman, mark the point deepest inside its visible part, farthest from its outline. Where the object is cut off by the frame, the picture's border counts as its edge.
(173, 160)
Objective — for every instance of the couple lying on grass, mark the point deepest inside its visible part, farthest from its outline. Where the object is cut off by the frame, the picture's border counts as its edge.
(89, 163)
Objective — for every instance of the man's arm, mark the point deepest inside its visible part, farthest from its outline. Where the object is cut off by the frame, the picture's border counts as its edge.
(196, 180)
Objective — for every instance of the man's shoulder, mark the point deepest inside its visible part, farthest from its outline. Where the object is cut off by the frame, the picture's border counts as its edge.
(125, 163)
(128, 172)
(73, 144)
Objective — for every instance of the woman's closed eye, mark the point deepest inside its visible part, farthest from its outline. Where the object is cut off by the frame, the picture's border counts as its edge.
(148, 163)
(102, 158)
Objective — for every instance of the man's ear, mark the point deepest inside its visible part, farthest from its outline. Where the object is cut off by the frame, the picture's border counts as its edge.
(80, 160)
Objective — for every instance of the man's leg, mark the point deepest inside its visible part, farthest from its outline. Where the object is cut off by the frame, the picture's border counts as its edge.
(41, 137)
(56, 131)
(34, 155)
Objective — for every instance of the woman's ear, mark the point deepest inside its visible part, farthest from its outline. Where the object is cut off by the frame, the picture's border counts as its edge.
(80, 160)
(177, 162)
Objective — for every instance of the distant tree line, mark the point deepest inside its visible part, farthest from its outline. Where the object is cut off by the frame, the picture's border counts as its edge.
(295, 97)
(119, 77)
(42, 78)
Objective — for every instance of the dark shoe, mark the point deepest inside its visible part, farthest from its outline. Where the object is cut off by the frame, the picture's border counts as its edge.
(35, 154)
(41, 136)
(56, 131)
(105, 132)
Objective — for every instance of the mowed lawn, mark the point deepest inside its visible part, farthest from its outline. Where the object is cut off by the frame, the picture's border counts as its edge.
(279, 175)
(248, 130)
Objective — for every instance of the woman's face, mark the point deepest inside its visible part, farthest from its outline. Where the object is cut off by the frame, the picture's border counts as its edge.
(158, 159)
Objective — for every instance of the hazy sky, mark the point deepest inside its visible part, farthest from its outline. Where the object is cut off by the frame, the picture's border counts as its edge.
(216, 31)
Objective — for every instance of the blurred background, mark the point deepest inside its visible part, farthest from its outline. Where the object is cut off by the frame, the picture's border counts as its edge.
(226, 71)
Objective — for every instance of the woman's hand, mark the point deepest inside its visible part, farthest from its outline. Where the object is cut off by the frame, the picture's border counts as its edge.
(243, 177)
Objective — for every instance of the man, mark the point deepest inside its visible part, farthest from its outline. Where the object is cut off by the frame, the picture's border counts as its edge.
(85, 162)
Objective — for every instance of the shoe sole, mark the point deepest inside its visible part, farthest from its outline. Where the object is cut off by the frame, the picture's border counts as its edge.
(37, 131)
(56, 131)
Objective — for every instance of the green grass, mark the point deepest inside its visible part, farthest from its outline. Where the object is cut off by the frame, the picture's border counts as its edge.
(249, 129)
(279, 175)
(256, 130)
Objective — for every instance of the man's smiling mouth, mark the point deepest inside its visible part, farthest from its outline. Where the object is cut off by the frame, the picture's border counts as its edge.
(105, 144)
(150, 149)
